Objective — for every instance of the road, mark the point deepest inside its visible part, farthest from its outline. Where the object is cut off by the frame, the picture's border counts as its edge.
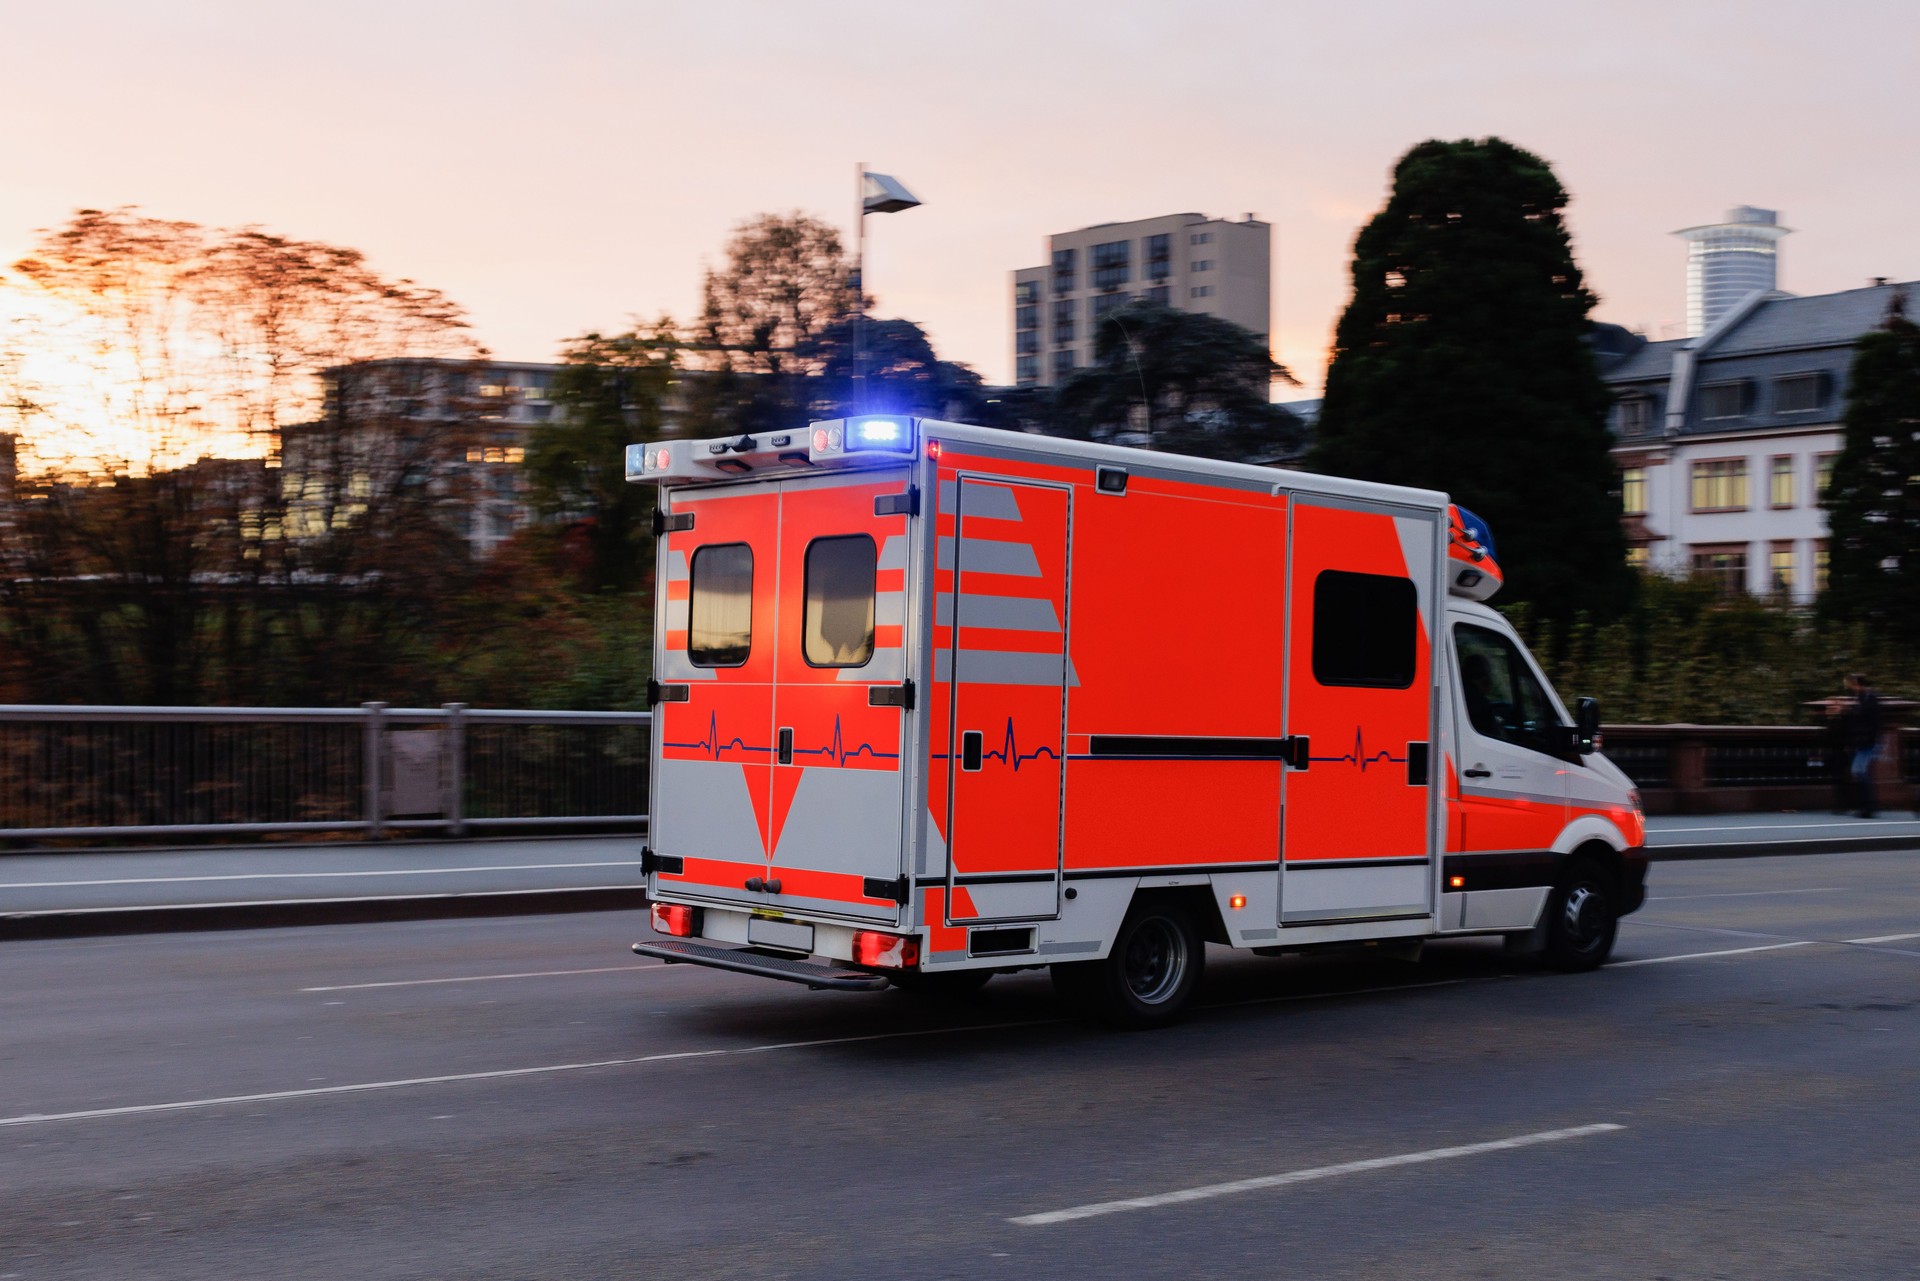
(517, 1098)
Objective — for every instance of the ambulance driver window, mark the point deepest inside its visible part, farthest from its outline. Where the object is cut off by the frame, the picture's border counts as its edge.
(721, 631)
(1503, 699)
(839, 622)
(1365, 629)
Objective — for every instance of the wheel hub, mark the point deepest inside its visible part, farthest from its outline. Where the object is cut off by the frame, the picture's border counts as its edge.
(1156, 958)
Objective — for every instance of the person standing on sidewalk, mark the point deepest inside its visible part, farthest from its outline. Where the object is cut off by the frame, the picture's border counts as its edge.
(1864, 727)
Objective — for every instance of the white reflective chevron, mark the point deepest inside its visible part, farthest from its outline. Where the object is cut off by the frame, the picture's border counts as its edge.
(1003, 667)
(893, 553)
(1006, 613)
(984, 556)
(984, 499)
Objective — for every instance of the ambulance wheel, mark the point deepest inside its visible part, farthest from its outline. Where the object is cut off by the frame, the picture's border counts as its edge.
(1583, 915)
(1148, 979)
(949, 986)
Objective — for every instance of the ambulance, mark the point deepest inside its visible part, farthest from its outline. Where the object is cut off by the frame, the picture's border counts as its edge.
(934, 701)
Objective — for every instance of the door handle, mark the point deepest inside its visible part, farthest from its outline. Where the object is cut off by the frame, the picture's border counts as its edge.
(786, 747)
(970, 751)
(1477, 773)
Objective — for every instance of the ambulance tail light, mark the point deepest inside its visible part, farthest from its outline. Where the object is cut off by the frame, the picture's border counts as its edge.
(885, 951)
(676, 920)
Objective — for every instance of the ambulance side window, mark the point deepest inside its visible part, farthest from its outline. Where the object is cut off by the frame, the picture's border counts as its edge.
(838, 630)
(1365, 629)
(720, 626)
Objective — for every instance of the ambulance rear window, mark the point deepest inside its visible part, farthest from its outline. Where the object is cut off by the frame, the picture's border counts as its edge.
(1364, 629)
(840, 596)
(720, 630)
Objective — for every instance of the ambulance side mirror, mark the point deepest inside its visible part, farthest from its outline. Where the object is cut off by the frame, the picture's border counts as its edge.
(1586, 726)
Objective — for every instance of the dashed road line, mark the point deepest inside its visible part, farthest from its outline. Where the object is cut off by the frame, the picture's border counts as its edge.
(1701, 956)
(1684, 898)
(312, 876)
(1264, 1182)
(482, 978)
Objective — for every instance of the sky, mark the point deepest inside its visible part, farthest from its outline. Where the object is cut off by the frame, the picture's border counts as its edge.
(575, 164)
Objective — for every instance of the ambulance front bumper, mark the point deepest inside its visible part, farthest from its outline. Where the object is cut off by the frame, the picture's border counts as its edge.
(767, 965)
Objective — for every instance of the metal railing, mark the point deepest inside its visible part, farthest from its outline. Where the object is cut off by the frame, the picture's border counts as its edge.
(1717, 768)
(99, 772)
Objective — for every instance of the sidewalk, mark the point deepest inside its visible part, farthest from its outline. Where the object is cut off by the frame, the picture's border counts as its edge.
(135, 891)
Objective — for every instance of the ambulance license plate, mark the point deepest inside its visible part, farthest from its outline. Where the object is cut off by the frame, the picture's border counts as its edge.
(783, 934)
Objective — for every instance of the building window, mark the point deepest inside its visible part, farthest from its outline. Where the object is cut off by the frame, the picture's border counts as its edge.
(1633, 491)
(1027, 317)
(837, 630)
(1799, 393)
(1780, 569)
(1364, 629)
(1200, 291)
(1732, 399)
(1062, 364)
(1159, 294)
(1026, 291)
(1780, 480)
(1725, 564)
(1063, 310)
(1640, 557)
(1823, 475)
(1026, 369)
(1064, 270)
(1820, 566)
(1203, 264)
(1112, 264)
(1104, 303)
(720, 630)
(1720, 485)
(1026, 342)
(1633, 415)
(1159, 257)
(1201, 238)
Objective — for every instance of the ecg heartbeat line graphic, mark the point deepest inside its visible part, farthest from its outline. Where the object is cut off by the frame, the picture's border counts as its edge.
(1358, 756)
(836, 751)
(1009, 752)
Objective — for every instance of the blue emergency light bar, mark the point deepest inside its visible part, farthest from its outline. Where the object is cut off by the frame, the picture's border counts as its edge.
(870, 433)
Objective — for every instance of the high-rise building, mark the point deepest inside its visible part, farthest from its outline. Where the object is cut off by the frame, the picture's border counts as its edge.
(1188, 261)
(1728, 260)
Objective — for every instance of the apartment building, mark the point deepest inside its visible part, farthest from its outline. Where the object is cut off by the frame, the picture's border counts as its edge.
(1725, 441)
(1189, 261)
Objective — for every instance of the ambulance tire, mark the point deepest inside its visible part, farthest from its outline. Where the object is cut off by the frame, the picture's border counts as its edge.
(1148, 979)
(953, 986)
(1583, 915)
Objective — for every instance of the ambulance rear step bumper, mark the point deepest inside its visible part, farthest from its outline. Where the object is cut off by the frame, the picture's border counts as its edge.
(812, 973)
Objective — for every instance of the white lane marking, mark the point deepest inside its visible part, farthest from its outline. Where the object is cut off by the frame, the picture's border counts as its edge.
(307, 876)
(501, 1074)
(162, 908)
(1701, 956)
(1682, 898)
(1211, 1190)
(1887, 938)
(482, 978)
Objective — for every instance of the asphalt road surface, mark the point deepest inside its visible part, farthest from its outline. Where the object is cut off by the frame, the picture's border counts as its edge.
(1738, 1096)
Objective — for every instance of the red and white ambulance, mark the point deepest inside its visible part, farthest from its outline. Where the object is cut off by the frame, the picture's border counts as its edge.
(933, 701)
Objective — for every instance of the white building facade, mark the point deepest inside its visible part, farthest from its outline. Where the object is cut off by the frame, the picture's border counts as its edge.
(1725, 441)
(1188, 261)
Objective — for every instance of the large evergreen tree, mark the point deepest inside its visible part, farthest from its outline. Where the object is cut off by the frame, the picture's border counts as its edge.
(1461, 364)
(1873, 503)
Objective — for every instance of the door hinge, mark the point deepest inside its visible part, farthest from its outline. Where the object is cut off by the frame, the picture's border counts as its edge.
(650, 862)
(658, 693)
(900, 695)
(904, 504)
(671, 523)
(894, 891)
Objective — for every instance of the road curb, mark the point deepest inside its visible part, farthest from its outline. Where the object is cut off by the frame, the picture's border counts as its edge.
(350, 911)
(1777, 849)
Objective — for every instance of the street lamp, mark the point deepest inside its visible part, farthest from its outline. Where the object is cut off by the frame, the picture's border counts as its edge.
(878, 193)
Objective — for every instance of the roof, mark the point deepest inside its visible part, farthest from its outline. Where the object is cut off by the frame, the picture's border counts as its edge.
(1779, 322)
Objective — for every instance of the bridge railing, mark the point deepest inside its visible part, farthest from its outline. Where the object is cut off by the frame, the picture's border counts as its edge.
(1725, 769)
(108, 772)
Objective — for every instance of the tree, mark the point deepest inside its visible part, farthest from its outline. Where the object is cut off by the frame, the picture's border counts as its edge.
(1460, 365)
(1873, 502)
(610, 393)
(1179, 381)
(785, 283)
(901, 374)
(247, 484)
